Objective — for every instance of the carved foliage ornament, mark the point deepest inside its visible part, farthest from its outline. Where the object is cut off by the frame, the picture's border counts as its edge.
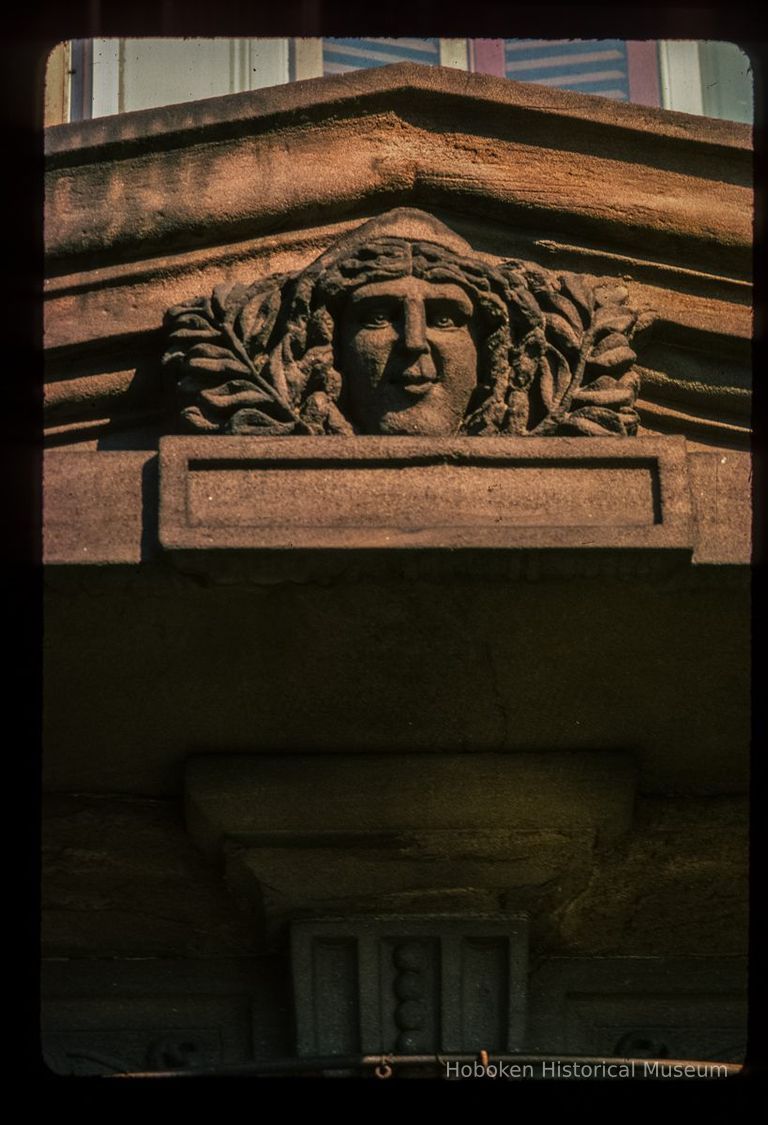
(400, 328)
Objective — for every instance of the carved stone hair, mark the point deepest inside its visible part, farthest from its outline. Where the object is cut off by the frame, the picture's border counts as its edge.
(262, 359)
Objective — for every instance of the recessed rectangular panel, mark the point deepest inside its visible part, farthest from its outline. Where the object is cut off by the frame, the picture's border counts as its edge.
(424, 493)
(485, 993)
(326, 979)
(373, 492)
(662, 1007)
(337, 1015)
(425, 983)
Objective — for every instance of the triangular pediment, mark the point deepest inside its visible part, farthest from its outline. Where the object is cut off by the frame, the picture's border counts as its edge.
(149, 209)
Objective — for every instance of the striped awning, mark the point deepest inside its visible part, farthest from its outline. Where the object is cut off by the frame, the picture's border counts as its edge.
(589, 66)
(342, 55)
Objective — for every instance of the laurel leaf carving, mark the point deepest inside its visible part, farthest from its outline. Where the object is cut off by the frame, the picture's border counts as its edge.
(580, 293)
(562, 333)
(557, 303)
(547, 384)
(613, 359)
(555, 357)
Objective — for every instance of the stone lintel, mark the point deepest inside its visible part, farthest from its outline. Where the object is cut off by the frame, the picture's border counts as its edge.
(101, 507)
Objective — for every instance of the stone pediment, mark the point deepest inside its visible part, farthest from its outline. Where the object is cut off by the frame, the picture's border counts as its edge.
(151, 209)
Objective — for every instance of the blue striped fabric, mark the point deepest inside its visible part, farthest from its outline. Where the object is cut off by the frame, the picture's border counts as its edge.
(342, 55)
(589, 66)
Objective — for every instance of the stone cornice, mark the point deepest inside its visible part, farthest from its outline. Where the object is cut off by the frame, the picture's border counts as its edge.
(167, 126)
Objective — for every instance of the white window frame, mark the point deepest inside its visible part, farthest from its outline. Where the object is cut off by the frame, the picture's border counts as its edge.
(248, 59)
(287, 60)
(454, 53)
(680, 76)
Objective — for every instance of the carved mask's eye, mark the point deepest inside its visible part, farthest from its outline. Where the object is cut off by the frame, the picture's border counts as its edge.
(442, 314)
(377, 316)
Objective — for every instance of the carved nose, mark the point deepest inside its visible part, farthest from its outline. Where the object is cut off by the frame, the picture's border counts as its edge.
(415, 327)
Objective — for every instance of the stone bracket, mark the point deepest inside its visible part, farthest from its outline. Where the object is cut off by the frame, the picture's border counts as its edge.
(474, 833)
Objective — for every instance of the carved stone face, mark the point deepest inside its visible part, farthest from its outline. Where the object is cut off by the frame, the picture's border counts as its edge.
(408, 356)
(397, 328)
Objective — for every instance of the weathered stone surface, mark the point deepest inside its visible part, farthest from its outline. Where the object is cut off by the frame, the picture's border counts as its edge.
(167, 189)
(121, 878)
(497, 873)
(122, 527)
(423, 492)
(677, 886)
(721, 489)
(650, 892)
(400, 328)
(137, 223)
(404, 832)
(409, 985)
(100, 507)
(253, 799)
(657, 667)
(147, 665)
(145, 1014)
(650, 1007)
